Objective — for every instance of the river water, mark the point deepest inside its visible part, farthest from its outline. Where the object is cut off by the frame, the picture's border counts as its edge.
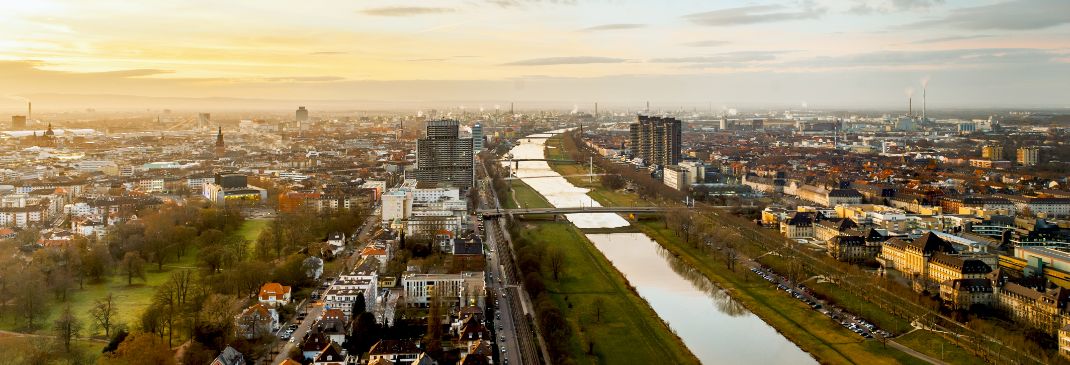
(715, 328)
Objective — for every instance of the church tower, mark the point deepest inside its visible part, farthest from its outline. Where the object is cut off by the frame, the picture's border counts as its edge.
(220, 148)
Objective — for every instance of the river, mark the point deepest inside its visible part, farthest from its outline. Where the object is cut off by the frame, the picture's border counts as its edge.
(715, 328)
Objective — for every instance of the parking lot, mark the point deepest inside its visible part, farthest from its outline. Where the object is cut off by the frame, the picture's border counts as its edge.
(849, 321)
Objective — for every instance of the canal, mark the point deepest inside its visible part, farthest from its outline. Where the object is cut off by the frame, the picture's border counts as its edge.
(713, 326)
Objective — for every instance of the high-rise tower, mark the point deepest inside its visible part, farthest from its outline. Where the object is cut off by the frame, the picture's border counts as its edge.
(656, 140)
(443, 157)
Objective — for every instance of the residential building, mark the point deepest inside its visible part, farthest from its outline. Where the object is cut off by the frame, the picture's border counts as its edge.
(992, 152)
(1042, 309)
(442, 157)
(257, 321)
(655, 140)
(229, 356)
(274, 294)
(396, 351)
(676, 177)
(456, 290)
(1028, 156)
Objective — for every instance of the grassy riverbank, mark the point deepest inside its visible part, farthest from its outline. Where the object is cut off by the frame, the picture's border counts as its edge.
(623, 329)
(610, 323)
(813, 332)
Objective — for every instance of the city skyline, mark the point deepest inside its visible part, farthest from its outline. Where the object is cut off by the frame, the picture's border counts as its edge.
(822, 54)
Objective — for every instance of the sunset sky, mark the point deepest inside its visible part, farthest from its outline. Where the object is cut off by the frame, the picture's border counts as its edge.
(836, 53)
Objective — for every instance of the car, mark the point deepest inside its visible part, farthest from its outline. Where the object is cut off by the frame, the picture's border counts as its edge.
(292, 339)
(503, 350)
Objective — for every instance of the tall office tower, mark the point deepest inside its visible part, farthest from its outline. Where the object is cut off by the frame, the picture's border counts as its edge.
(1028, 156)
(203, 120)
(302, 114)
(443, 157)
(656, 140)
(477, 137)
(992, 152)
(18, 122)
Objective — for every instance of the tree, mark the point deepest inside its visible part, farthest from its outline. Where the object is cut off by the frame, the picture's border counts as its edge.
(133, 265)
(30, 301)
(140, 348)
(104, 313)
(359, 306)
(557, 262)
(612, 181)
(598, 306)
(66, 328)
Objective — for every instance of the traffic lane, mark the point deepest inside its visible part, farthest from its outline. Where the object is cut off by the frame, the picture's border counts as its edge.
(503, 322)
(299, 334)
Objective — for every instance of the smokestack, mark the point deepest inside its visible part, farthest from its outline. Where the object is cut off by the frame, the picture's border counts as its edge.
(648, 107)
(29, 110)
(923, 102)
(910, 107)
(596, 109)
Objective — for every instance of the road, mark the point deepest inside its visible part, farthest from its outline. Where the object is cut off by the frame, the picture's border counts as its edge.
(520, 337)
(313, 312)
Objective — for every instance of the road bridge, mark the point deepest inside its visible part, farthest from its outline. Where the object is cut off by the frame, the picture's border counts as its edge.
(491, 213)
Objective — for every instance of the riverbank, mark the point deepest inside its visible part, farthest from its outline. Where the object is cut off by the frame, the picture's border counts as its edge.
(610, 322)
(826, 340)
(813, 332)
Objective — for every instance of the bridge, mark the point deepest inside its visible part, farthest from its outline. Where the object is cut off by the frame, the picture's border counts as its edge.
(516, 161)
(513, 177)
(569, 210)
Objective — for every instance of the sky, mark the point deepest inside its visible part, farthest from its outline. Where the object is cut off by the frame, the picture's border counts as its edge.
(818, 53)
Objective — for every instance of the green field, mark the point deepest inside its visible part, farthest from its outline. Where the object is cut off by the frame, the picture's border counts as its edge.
(629, 331)
(525, 196)
(132, 299)
(15, 349)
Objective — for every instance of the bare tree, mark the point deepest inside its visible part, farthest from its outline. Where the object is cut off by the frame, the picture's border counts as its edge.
(133, 265)
(557, 262)
(598, 306)
(104, 313)
(66, 328)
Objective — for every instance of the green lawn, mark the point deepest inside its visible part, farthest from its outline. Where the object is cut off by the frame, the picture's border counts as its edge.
(132, 299)
(810, 330)
(938, 347)
(630, 332)
(250, 230)
(525, 196)
(15, 349)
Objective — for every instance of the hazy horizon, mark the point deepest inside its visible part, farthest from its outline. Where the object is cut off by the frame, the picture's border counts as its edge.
(860, 54)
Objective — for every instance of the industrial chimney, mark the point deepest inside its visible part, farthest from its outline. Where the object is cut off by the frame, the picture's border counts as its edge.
(923, 102)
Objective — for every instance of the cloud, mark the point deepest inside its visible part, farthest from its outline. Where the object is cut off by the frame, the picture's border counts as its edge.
(134, 72)
(1010, 15)
(956, 58)
(950, 39)
(406, 10)
(425, 60)
(753, 14)
(723, 59)
(881, 6)
(326, 53)
(305, 78)
(709, 43)
(579, 60)
(620, 26)
(516, 3)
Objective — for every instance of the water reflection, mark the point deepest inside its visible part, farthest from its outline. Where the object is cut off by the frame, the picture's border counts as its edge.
(716, 328)
(720, 298)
